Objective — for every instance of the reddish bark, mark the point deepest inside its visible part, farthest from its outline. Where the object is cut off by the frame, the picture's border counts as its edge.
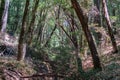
(84, 23)
(110, 32)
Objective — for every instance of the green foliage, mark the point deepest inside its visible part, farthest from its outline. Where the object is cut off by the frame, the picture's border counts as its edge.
(113, 18)
(111, 72)
(61, 56)
(59, 48)
(15, 15)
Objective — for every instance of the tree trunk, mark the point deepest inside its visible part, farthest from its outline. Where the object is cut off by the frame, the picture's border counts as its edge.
(22, 43)
(109, 27)
(4, 17)
(97, 4)
(57, 14)
(84, 23)
(113, 12)
(31, 27)
(74, 38)
(21, 51)
(97, 17)
(1, 11)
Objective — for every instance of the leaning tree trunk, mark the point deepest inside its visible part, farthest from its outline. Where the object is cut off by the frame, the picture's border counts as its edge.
(84, 23)
(74, 38)
(57, 14)
(110, 32)
(22, 43)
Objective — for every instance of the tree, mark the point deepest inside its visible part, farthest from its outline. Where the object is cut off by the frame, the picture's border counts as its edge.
(75, 42)
(84, 23)
(110, 32)
(97, 4)
(97, 20)
(4, 16)
(31, 27)
(24, 40)
(57, 14)
(22, 43)
(1, 11)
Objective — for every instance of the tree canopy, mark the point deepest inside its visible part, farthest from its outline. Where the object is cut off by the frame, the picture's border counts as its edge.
(60, 39)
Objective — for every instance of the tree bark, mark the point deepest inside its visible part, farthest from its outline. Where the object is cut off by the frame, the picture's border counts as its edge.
(97, 17)
(84, 23)
(1, 11)
(22, 43)
(31, 27)
(4, 16)
(97, 20)
(75, 41)
(97, 4)
(109, 26)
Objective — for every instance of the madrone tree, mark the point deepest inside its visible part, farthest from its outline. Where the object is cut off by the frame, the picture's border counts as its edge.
(84, 23)
(109, 26)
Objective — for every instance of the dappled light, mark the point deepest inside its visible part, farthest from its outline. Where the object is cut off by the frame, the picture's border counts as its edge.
(59, 40)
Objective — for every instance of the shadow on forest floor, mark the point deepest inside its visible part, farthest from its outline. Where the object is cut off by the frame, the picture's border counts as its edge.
(110, 72)
(111, 68)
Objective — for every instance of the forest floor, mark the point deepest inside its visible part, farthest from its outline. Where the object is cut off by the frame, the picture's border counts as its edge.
(10, 68)
(110, 64)
(111, 68)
